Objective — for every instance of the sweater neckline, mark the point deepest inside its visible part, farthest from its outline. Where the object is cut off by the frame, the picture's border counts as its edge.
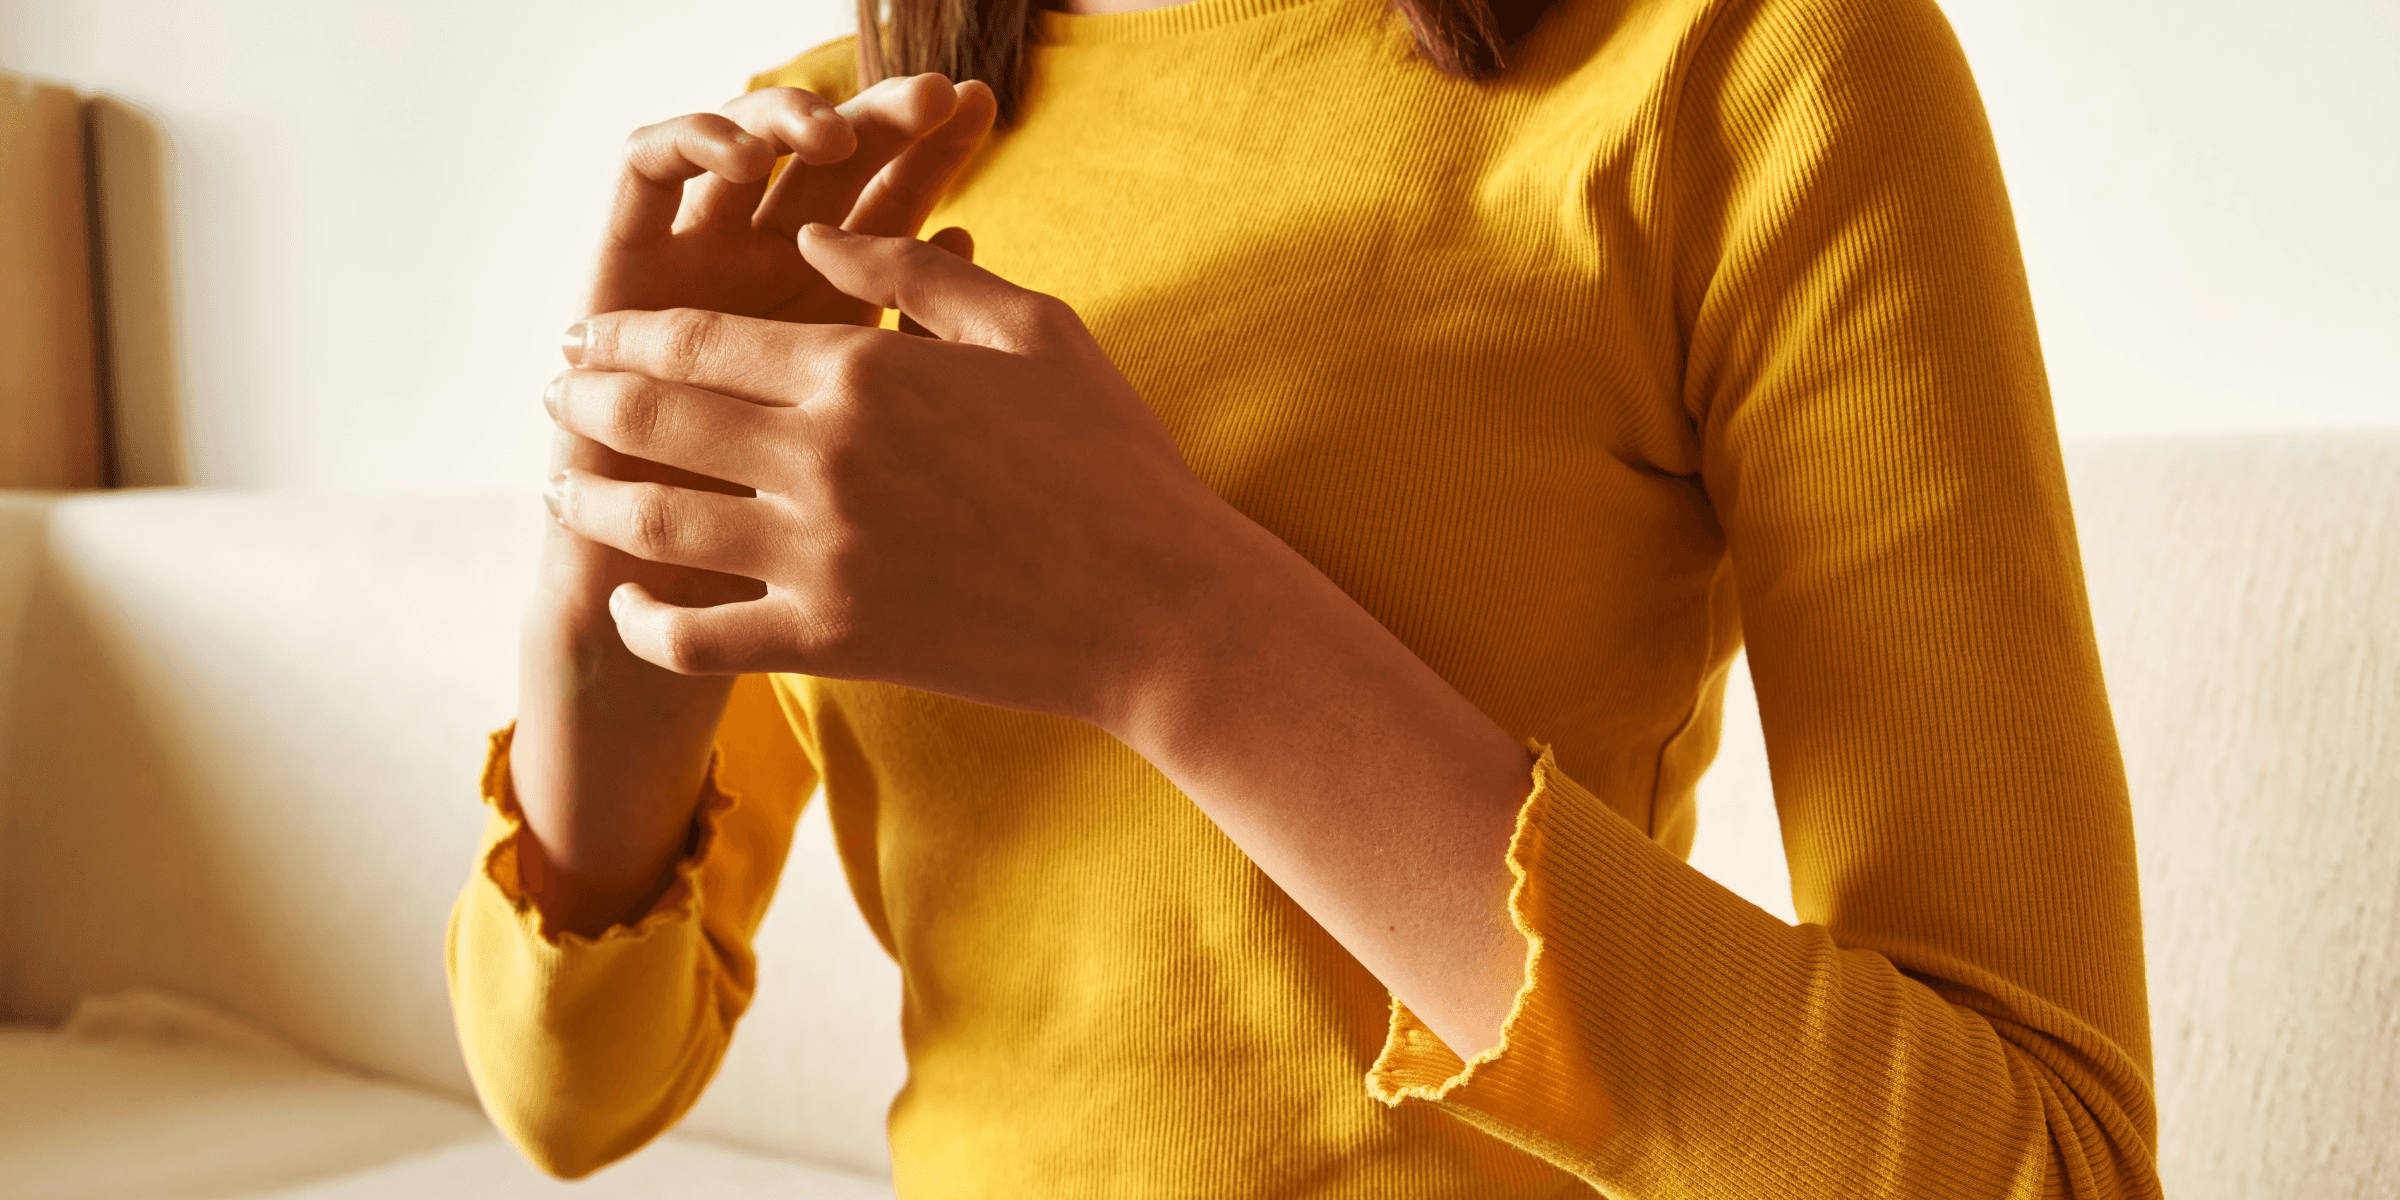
(1189, 16)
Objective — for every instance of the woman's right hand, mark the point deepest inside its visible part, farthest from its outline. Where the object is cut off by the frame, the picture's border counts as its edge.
(609, 750)
(875, 164)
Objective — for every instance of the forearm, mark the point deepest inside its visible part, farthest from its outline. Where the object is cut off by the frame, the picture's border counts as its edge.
(609, 750)
(1374, 794)
(583, 1050)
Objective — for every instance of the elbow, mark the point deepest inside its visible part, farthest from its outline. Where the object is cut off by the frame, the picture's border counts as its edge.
(563, 1162)
(560, 1160)
(567, 1146)
(571, 1114)
(2101, 1129)
(581, 1068)
(561, 1114)
(2087, 1164)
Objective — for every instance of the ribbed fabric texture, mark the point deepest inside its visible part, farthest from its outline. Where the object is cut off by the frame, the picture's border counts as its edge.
(1704, 324)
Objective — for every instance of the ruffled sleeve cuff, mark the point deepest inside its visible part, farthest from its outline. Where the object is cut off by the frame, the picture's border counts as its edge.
(583, 1047)
(1516, 1087)
(502, 868)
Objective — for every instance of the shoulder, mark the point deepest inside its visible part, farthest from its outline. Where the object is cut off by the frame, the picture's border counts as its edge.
(1801, 87)
(830, 70)
(1830, 43)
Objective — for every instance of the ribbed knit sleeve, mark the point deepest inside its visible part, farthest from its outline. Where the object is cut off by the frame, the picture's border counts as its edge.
(1962, 1011)
(583, 1049)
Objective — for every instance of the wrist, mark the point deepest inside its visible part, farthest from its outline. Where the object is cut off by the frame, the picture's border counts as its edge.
(1274, 667)
(584, 893)
(1256, 619)
(607, 781)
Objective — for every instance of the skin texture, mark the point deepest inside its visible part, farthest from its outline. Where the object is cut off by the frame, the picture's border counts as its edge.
(983, 507)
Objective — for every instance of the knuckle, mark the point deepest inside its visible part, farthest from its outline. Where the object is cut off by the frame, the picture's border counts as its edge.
(681, 648)
(1030, 316)
(823, 461)
(642, 146)
(636, 413)
(847, 368)
(825, 633)
(909, 288)
(872, 353)
(822, 473)
(688, 335)
(1041, 310)
(650, 523)
(797, 100)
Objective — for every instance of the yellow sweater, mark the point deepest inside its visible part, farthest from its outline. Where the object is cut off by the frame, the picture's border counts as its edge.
(1705, 324)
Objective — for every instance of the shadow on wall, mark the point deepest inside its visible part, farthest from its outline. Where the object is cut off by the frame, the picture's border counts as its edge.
(90, 391)
(125, 155)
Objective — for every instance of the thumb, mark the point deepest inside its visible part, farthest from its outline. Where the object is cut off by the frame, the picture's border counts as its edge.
(946, 295)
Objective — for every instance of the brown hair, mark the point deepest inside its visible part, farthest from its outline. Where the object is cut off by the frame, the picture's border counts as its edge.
(986, 39)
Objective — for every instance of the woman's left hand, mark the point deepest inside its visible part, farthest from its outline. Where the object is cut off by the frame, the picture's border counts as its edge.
(990, 512)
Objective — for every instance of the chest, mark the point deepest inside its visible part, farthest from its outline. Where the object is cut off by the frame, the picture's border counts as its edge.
(1366, 315)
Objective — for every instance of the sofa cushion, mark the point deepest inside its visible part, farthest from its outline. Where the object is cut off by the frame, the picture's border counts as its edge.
(178, 1102)
(253, 724)
(488, 1168)
(146, 1096)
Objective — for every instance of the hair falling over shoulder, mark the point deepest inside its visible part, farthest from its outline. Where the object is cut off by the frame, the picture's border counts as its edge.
(986, 39)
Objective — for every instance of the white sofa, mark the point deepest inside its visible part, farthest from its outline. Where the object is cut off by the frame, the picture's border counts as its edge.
(241, 733)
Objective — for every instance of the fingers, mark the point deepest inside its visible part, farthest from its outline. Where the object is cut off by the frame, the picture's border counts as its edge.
(921, 128)
(797, 122)
(957, 241)
(729, 639)
(662, 524)
(659, 158)
(698, 431)
(948, 296)
(761, 361)
(887, 118)
(897, 200)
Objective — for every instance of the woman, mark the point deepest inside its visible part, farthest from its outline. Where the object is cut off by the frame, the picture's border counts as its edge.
(1259, 640)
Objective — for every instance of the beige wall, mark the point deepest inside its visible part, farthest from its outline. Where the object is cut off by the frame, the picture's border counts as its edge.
(381, 211)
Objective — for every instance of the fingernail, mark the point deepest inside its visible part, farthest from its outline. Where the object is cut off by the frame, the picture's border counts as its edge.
(742, 139)
(823, 113)
(575, 341)
(823, 230)
(552, 493)
(617, 602)
(552, 393)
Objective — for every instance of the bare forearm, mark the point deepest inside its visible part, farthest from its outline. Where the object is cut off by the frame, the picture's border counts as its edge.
(609, 750)
(1360, 781)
